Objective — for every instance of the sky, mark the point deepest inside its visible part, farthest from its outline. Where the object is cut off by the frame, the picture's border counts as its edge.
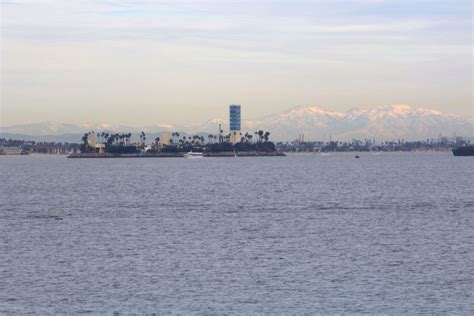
(147, 62)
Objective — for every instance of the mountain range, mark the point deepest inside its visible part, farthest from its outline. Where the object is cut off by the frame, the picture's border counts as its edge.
(382, 123)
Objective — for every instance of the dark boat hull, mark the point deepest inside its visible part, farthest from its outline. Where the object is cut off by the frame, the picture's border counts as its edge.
(464, 151)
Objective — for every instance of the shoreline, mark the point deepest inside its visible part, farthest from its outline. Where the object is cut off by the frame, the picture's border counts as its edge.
(177, 155)
(230, 154)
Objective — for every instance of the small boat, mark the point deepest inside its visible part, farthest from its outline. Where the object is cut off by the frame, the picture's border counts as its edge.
(193, 155)
(357, 156)
(466, 150)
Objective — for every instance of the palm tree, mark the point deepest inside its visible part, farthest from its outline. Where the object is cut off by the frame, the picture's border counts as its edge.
(85, 138)
(266, 135)
(143, 138)
(85, 143)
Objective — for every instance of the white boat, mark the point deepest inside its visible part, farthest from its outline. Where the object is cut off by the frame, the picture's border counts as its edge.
(11, 151)
(193, 155)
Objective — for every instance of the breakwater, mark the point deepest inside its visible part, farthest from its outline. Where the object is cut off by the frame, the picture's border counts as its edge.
(179, 155)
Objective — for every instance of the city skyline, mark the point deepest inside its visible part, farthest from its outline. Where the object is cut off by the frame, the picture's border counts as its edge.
(138, 63)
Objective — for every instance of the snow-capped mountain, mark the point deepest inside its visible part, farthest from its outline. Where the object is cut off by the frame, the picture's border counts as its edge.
(210, 126)
(42, 128)
(382, 123)
(308, 120)
(403, 121)
(56, 128)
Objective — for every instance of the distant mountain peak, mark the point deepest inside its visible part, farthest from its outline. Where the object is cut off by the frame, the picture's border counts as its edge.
(312, 110)
(395, 107)
(403, 109)
(399, 111)
(382, 122)
(103, 125)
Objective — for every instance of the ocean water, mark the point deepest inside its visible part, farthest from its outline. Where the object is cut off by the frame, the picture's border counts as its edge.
(384, 234)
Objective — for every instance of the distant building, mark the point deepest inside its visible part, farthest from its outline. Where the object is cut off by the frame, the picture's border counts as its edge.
(165, 139)
(46, 148)
(234, 117)
(92, 139)
(234, 122)
(10, 151)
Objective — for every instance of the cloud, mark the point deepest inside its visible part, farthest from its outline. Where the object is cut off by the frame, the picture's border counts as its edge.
(281, 51)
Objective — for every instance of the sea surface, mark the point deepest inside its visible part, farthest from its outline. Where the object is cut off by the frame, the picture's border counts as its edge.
(384, 234)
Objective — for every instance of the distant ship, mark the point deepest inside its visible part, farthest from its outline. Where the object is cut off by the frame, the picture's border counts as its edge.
(467, 150)
(12, 151)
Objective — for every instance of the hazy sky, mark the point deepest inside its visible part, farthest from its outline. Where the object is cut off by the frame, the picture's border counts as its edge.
(146, 62)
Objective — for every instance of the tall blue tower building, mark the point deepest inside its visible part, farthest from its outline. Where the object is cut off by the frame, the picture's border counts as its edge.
(234, 117)
(234, 122)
